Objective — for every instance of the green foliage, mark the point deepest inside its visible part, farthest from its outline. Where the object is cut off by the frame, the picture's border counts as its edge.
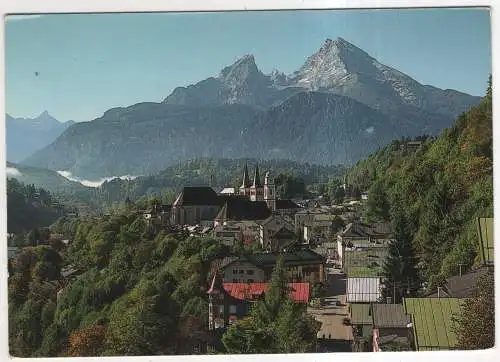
(276, 324)
(443, 187)
(30, 208)
(475, 325)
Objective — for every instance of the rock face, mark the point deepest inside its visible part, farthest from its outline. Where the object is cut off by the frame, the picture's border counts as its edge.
(339, 106)
(27, 135)
(338, 67)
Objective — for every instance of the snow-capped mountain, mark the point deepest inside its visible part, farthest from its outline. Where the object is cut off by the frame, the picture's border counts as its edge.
(338, 67)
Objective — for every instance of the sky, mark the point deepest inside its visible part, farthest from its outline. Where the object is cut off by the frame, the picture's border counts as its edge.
(77, 66)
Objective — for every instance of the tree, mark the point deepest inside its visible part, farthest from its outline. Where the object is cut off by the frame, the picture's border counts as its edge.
(475, 325)
(87, 342)
(400, 267)
(378, 204)
(276, 324)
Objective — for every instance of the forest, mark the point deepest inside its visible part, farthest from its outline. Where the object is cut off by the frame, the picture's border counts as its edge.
(441, 189)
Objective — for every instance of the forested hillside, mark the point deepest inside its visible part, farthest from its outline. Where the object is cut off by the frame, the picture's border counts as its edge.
(444, 187)
(139, 291)
(29, 207)
(217, 172)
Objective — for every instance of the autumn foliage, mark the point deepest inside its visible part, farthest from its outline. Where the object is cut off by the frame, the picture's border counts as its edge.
(87, 342)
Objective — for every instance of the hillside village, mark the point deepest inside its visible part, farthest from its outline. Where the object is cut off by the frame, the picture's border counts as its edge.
(333, 259)
(343, 206)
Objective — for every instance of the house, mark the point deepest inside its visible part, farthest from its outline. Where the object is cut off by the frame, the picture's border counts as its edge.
(301, 266)
(364, 261)
(431, 322)
(195, 204)
(362, 325)
(363, 290)
(158, 214)
(391, 327)
(460, 286)
(357, 235)
(280, 240)
(229, 235)
(229, 302)
(411, 146)
(305, 217)
(286, 207)
(270, 227)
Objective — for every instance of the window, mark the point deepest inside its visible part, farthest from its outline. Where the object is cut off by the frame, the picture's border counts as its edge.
(242, 272)
(250, 281)
(235, 280)
(232, 309)
(250, 272)
(235, 271)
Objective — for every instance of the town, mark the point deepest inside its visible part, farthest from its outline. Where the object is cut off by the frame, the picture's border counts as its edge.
(333, 260)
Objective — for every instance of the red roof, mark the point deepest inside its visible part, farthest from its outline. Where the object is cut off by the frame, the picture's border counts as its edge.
(250, 291)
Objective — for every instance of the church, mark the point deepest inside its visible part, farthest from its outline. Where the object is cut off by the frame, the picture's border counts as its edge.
(255, 201)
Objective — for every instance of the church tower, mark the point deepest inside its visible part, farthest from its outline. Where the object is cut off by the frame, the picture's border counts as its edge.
(256, 190)
(245, 185)
(269, 193)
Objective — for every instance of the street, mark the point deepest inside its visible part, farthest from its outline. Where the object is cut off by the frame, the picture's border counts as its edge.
(334, 335)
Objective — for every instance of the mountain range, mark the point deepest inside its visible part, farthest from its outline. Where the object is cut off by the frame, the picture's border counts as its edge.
(341, 105)
(28, 135)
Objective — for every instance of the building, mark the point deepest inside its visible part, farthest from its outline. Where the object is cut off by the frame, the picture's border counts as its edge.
(460, 286)
(194, 205)
(229, 302)
(431, 322)
(364, 290)
(391, 327)
(229, 234)
(361, 318)
(158, 214)
(240, 208)
(301, 266)
(277, 228)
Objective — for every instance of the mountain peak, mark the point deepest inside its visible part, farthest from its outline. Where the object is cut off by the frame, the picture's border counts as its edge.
(243, 68)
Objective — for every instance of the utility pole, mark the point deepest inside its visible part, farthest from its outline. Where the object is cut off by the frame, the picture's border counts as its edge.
(439, 289)
(394, 292)
(460, 269)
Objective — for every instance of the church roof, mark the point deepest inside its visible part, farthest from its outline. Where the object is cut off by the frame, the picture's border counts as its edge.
(197, 196)
(241, 208)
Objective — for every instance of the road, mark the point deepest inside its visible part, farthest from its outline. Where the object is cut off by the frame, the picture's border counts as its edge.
(334, 335)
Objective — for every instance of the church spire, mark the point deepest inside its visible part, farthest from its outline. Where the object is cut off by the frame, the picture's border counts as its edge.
(246, 179)
(256, 177)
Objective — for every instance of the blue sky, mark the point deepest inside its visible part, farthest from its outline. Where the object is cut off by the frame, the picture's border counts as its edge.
(89, 63)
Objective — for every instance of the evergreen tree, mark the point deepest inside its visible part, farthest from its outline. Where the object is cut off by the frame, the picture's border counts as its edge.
(378, 203)
(475, 325)
(400, 268)
(276, 324)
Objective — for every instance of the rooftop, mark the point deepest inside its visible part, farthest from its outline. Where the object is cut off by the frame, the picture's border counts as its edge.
(299, 292)
(197, 196)
(363, 290)
(241, 208)
(366, 262)
(360, 313)
(299, 257)
(432, 322)
(390, 316)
